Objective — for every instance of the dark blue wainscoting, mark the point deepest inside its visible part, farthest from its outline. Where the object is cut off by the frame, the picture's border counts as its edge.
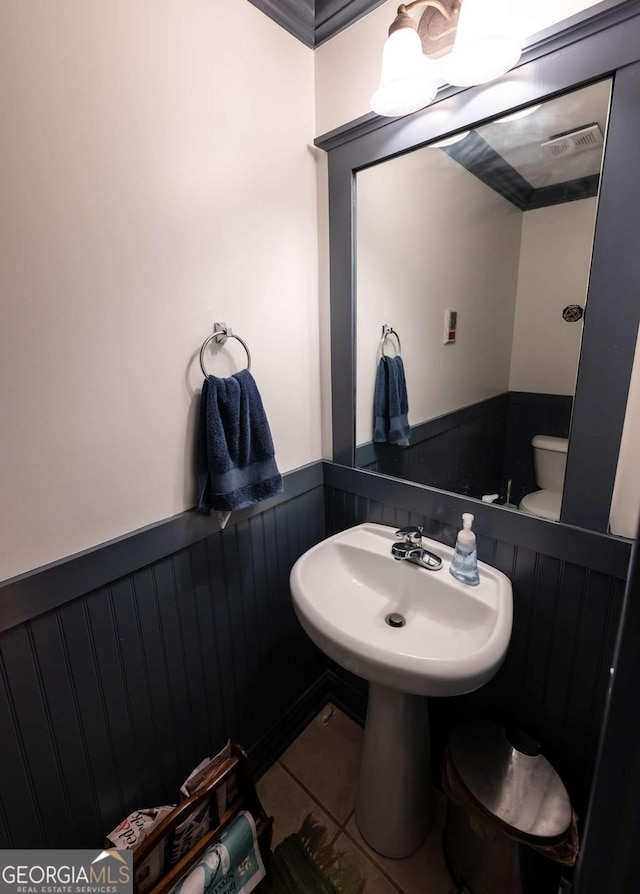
(555, 676)
(461, 452)
(108, 701)
(122, 667)
(478, 449)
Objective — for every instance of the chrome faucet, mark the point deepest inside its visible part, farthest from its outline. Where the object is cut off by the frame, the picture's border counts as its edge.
(411, 550)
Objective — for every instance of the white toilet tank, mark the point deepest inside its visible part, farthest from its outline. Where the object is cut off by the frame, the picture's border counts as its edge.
(550, 460)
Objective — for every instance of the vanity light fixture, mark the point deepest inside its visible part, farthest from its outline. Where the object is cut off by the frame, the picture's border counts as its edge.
(486, 46)
(409, 79)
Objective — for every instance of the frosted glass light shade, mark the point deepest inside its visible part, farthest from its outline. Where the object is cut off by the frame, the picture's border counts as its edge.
(408, 81)
(487, 45)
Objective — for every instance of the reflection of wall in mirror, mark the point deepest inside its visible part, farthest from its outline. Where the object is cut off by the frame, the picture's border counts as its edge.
(555, 257)
(431, 236)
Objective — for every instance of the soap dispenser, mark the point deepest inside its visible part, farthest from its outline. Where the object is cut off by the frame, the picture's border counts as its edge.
(464, 564)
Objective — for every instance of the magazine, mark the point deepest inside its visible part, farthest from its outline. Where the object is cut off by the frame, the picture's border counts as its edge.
(233, 865)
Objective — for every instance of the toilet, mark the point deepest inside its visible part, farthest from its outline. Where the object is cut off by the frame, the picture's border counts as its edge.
(550, 460)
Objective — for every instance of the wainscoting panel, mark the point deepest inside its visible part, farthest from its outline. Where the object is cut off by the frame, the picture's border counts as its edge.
(476, 450)
(462, 451)
(554, 679)
(108, 701)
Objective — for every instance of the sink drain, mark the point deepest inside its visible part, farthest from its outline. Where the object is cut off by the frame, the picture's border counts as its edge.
(395, 620)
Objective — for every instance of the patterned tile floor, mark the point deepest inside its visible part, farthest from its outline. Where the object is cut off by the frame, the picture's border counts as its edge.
(318, 775)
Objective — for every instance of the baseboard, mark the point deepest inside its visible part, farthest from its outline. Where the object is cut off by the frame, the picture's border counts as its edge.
(348, 693)
(272, 744)
(335, 686)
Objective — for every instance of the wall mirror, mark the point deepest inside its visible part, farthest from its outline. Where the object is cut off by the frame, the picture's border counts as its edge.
(598, 58)
(476, 250)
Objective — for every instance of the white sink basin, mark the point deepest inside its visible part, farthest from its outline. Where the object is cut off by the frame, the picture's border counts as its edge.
(455, 636)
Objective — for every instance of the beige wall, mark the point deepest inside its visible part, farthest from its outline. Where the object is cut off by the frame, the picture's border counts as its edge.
(508, 275)
(156, 176)
(625, 508)
(431, 236)
(555, 259)
(348, 66)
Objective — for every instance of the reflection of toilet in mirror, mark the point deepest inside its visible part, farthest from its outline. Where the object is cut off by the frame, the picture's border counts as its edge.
(549, 460)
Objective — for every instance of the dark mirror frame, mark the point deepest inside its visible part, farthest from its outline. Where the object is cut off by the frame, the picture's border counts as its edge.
(607, 43)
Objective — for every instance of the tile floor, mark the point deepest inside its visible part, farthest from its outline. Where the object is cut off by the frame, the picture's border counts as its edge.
(318, 775)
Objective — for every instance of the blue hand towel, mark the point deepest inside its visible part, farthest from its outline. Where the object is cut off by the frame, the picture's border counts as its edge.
(235, 456)
(391, 405)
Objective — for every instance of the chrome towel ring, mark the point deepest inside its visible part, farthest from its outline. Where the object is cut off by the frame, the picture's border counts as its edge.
(386, 332)
(221, 332)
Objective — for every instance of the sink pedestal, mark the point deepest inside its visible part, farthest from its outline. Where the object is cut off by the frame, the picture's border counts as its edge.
(395, 801)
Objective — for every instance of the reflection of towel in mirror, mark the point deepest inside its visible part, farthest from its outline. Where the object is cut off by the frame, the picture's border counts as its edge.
(235, 456)
(391, 404)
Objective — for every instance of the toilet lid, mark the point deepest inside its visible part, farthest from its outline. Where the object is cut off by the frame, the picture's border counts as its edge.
(548, 442)
(543, 503)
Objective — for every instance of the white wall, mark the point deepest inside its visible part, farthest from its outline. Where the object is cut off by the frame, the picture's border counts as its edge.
(555, 260)
(508, 274)
(625, 507)
(348, 66)
(432, 236)
(156, 176)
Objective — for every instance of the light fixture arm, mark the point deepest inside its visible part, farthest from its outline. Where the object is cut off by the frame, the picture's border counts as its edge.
(404, 20)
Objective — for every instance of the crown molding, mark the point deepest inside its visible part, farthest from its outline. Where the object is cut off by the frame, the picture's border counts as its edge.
(315, 21)
(295, 16)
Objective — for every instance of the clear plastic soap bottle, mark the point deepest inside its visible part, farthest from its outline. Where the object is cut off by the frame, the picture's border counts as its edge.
(464, 564)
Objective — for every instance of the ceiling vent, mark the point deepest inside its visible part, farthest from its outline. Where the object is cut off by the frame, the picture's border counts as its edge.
(573, 141)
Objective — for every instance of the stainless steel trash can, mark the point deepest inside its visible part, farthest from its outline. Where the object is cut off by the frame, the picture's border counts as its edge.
(510, 823)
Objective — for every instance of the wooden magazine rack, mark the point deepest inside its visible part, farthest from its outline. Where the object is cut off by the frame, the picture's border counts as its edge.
(236, 769)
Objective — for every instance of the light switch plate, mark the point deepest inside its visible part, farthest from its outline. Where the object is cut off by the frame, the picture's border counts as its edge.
(450, 326)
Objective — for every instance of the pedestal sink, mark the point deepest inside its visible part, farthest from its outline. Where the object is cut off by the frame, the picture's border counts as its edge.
(348, 591)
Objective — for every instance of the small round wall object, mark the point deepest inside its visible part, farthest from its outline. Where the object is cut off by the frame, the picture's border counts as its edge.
(572, 313)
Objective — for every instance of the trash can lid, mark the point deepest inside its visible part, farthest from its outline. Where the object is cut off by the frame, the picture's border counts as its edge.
(509, 778)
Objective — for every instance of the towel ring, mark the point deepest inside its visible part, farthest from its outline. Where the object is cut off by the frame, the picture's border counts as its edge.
(386, 332)
(220, 334)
